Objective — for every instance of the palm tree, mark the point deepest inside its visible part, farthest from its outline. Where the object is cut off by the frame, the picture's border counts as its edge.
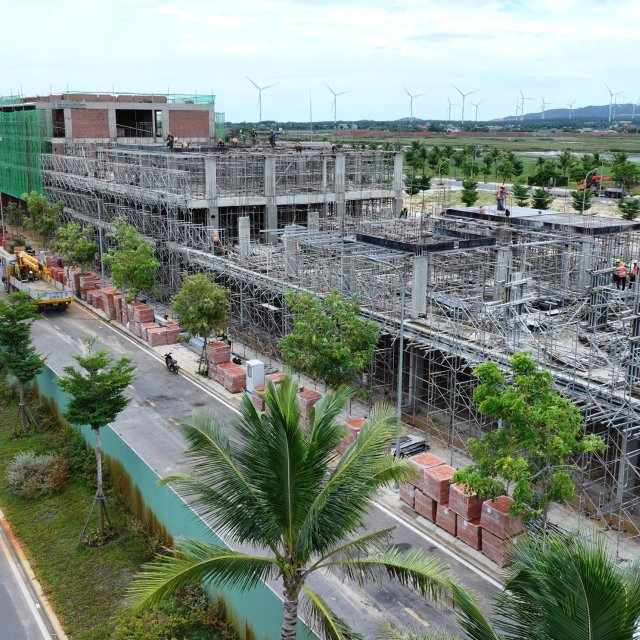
(565, 160)
(558, 588)
(275, 487)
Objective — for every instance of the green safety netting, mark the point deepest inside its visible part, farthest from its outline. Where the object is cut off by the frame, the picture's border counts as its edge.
(219, 125)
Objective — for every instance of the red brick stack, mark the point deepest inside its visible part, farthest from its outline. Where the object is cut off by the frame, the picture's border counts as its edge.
(498, 528)
(216, 372)
(235, 379)
(172, 330)
(353, 426)
(408, 494)
(446, 518)
(107, 302)
(468, 509)
(156, 336)
(257, 397)
(57, 274)
(306, 399)
(218, 352)
(437, 481)
(425, 506)
(73, 278)
(88, 282)
(276, 378)
(422, 462)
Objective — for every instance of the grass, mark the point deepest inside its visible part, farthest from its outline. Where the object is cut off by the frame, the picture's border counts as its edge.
(86, 585)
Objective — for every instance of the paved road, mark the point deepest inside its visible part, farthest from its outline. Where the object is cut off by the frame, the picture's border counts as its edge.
(21, 616)
(149, 425)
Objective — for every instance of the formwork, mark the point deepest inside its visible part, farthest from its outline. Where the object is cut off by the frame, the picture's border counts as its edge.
(476, 286)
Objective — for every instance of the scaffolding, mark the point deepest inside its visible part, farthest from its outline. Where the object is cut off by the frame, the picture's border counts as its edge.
(477, 286)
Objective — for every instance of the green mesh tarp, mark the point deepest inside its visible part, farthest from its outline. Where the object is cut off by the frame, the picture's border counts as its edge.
(219, 125)
(24, 136)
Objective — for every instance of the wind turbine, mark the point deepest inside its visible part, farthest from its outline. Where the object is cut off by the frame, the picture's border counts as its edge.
(570, 105)
(612, 95)
(449, 110)
(464, 95)
(543, 106)
(335, 104)
(260, 90)
(476, 105)
(411, 98)
(522, 101)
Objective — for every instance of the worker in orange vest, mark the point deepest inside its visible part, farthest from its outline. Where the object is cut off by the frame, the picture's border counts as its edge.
(621, 272)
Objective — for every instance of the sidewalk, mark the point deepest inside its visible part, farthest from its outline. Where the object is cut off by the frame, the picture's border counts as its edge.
(187, 355)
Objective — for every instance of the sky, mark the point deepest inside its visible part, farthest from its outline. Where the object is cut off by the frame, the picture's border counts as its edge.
(564, 51)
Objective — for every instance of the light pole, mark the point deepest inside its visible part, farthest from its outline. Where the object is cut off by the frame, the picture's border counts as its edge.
(584, 192)
(400, 273)
(440, 166)
(99, 204)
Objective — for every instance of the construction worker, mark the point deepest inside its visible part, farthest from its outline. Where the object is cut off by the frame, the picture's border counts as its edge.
(220, 142)
(621, 273)
(501, 196)
(234, 142)
(272, 138)
(298, 147)
(170, 140)
(254, 137)
(633, 274)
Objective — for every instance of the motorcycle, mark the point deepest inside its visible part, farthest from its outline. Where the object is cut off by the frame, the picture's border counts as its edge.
(171, 363)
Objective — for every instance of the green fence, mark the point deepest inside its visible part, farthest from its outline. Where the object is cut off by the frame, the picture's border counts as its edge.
(24, 136)
(256, 614)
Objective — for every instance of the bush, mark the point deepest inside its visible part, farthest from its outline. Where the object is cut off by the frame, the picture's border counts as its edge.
(188, 614)
(32, 475)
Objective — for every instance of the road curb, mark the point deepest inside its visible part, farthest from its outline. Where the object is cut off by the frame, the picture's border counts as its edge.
(25, 565)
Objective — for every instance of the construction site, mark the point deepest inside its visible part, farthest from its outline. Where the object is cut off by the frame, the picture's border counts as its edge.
(462, 286)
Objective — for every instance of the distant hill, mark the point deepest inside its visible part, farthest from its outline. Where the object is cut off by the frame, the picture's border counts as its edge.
(592, 112)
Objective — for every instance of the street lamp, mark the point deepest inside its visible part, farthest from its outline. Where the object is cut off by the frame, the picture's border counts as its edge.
(400, 273)
(584, 192)
(439, 167)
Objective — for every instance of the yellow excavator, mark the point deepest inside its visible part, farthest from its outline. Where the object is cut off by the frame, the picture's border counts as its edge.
(24, 272)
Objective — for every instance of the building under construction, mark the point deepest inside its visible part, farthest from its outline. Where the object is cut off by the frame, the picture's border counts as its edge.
(475, 286)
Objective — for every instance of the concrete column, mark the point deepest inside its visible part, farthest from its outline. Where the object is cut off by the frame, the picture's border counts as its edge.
(290, 256)
(166, 125)
(585, 262)
(111, 114)
(348, 274)
(416, 376)
(244, 236)
(323, 184)
(68, 124)
(501, 274)
(313, 221)
(212, 123)
(271, 208)
(339, 187)
(598, 298)
(397, 184)
(565, 267)
(419, 286)
(211, 190)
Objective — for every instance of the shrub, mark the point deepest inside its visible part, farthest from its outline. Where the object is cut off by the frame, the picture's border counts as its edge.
(32, 475)
(188, 614)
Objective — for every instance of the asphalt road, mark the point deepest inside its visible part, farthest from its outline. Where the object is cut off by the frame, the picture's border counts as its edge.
(21, 616)
(149, 426)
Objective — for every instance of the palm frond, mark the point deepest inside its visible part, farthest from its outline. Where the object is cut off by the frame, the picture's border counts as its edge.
(469, 616)
(564, 588)
(363, 545)
(195, 562)
(328, 624)
(338, 509)
(414, 569)
(221, 486)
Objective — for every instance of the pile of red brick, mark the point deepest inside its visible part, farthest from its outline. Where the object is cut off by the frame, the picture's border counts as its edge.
(306, 399)
(230, 375)
(483, 525)
(257, 396)
(353, 426)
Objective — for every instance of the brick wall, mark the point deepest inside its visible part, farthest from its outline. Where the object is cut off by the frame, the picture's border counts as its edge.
(90, 123)
(189, 124)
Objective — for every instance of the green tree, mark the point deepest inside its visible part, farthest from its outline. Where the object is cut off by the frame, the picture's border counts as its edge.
(469, 194)
(539, 435)
(96, 399)
(565, 159)
(630, 208)
(73, 244)
(275, 487)
(17, 352)
(44, 217)
(329, 341)
(541, 198)
(492, 157)
(506, 170)
(521, 194)
(14, 215)
(581, 200)
(545, 174)
(557, 588)
(626, 174)
(201, 307)
(134, 268)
